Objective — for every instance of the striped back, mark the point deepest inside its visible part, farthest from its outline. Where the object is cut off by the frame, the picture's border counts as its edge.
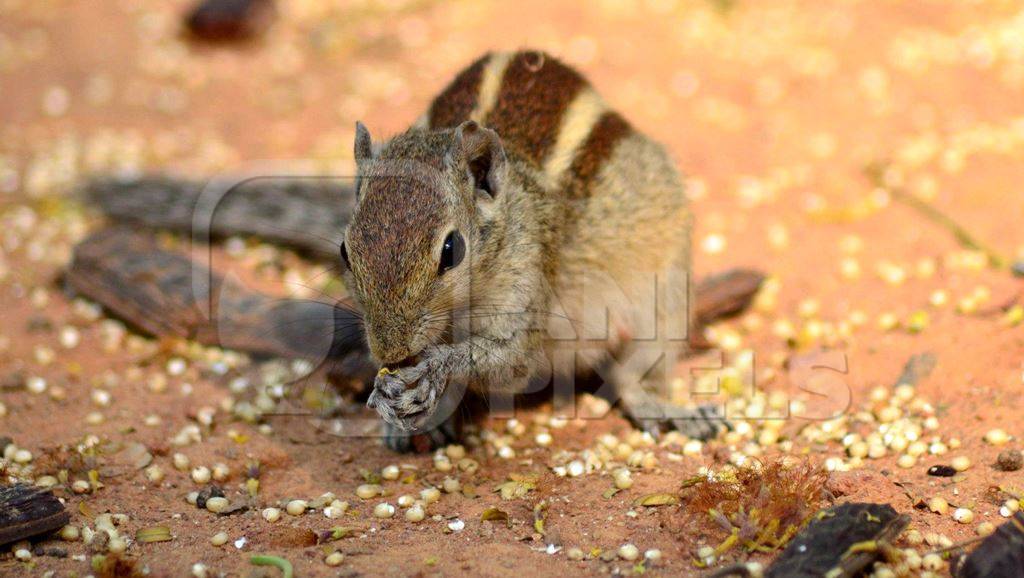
(540, 107)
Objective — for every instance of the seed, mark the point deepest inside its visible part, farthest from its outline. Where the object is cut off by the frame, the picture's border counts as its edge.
(336, 509)
(1010, 460)
(390, 472)
(69, 533)
(201, 475)
(575, 554)
(906, 461)
(543, 439)
(154, 473)
(623, 479)
(985, 528)
(405, 501)
(451, 485)
(938, 504)
(442, 464)
(415, 513)
(653, 555)
(367, 491)
(296, 507)
(271, 514)
(334, 559)
(932, 562)
(963, 515)
(430, 495)
(80, 487)
(217, 504)
(455, 452)
(22, 456)
(181, 462)
(576, 468)
(219, 539)
(221, 472)
(383, 510)
(199, 570)
(23, 554)
(997, 437)
(456, 525)
(961, 463)
(468, 465)
(629, 552)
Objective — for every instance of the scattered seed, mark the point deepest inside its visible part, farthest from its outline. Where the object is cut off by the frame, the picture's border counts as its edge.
(69, 533)
(430, 495)
(938, 504)
(963, 515)
(154, 474)
(985, 529)
(390, 472)
(296, 507)
(997, 437)
(623, 479)
(201, 475)
(154, 534)
(271, 514)
(629, 552)
(368, 491)
(961, 463)
(217, 504)
(383, 510)
(334, 559)
(219, 539)
(415, 513)
(575, 554)
(181, 462)
(451, 485)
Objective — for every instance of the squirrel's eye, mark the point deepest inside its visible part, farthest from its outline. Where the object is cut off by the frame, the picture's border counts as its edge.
(344, 255)
(453, 251)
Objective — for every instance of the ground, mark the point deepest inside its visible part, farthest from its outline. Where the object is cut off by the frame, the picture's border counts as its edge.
(778, 111)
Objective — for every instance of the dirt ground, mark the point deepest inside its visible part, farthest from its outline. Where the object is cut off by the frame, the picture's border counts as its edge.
(775, 109)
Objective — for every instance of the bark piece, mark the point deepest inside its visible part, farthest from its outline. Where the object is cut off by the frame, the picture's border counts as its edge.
(26, 512)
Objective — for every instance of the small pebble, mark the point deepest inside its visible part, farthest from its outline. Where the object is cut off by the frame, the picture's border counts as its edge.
(1010, 460)
(942, 471)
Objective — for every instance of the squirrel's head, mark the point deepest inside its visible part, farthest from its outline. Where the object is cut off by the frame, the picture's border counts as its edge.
(426, 201)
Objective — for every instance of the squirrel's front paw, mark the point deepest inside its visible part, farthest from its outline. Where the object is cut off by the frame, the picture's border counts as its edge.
(406, 398)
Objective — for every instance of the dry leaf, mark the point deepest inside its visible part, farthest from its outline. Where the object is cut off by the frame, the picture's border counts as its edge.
(652, 500)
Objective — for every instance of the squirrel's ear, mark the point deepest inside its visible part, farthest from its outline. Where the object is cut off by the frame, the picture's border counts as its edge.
(484, 155)
(363, 146)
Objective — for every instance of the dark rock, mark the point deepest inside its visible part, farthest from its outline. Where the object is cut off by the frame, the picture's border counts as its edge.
(1010, 460)
(228, 20)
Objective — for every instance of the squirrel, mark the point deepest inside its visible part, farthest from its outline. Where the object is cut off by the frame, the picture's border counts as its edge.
(520, 232)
